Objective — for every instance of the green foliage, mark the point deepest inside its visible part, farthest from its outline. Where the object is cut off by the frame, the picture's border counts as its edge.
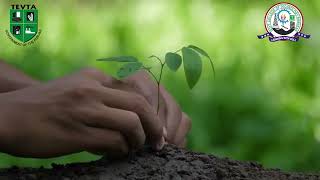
(120, 59)
(129, 69)
(204, 53)
(199, 50)
(191, 60)
(192, 66)
(173, 61)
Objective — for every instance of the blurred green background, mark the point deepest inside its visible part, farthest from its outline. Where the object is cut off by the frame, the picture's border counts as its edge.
(263, 105)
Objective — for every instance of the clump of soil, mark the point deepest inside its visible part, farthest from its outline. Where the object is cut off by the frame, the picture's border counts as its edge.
(170, 163)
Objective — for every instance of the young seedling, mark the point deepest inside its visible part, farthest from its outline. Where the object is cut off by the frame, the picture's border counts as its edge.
(191, 59)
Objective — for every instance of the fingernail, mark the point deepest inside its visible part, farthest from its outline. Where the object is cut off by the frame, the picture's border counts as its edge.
(165, 133)
(161, 144)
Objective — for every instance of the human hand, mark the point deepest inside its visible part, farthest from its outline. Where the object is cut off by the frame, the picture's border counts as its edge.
(177, 123)
(12, 79)
(76, 113)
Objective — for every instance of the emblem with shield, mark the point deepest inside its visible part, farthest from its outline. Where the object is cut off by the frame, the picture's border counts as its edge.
(24, 24)
(284, 22)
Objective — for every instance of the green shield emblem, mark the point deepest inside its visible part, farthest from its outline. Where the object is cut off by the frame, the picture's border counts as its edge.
(23, 24)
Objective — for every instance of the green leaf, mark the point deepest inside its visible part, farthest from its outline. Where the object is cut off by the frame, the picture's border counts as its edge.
(199, 50)
(120, 59)
(128, 69)
(204, 53)
(192, 66)
(173, 61)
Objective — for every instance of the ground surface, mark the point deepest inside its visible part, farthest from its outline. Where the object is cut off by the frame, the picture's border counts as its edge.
(170, 163)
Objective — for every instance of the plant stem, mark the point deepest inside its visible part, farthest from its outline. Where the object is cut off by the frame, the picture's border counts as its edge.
(177, 51)
(153, 56)
(158, 80)
(160, 76)
(154, 77)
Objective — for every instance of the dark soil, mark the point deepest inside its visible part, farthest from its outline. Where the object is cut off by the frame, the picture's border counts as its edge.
(170, 163)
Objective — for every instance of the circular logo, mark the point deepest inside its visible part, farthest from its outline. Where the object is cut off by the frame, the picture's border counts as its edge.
(283, 19)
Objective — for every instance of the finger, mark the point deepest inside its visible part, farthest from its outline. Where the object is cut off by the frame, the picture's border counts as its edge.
(98, 76)
(152, 125)
(126, 122)
(173, 114)
(105, 140)
(184, 128)
(144, 85)
(165, 133)
(183, 143)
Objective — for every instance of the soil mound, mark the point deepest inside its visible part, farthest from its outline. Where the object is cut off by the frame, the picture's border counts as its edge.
(170, 163)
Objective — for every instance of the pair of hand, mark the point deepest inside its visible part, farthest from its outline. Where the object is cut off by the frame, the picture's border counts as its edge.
(89, 111)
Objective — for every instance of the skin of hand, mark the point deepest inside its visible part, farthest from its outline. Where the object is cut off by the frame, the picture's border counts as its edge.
(80, 112)
(12, 79)
(177, 123)
(175, 129)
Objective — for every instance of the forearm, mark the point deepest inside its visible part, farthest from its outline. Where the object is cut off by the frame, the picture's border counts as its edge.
(4, 125)
(12, 79)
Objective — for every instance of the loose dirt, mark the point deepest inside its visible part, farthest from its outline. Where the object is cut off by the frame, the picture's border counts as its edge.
(170, 163)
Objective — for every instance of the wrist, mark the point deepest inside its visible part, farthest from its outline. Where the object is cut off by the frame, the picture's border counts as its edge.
(4, 130)
(17, 84)
(26, 83)
(12, 79)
